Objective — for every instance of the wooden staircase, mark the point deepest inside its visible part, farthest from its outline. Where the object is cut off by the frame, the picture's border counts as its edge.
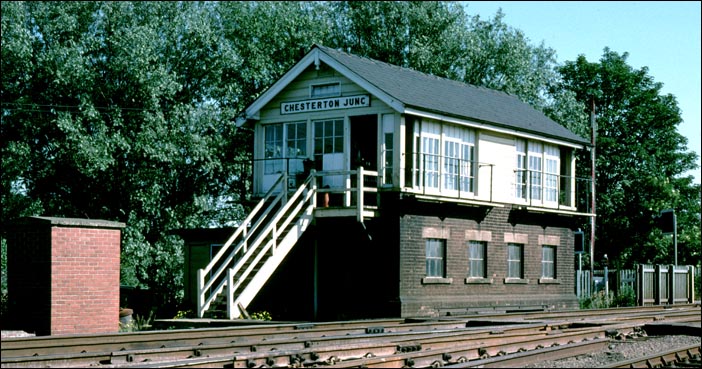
(248, 259)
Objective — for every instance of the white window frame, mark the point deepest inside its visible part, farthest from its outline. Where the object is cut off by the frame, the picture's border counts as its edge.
(552, 165)
(442, 152)
(388, 149)
(537, 173)
(515, 263)
(535, 162)
(520, 173)
(435, 257)
(282, 149)
(477, 256)
(322, 90)
(548, 262)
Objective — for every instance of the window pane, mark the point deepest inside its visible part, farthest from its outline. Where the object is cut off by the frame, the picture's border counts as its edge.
(326, 90)
(339, 127)
(477, 263)
(273, 149)
(548, 262)
(435, 250)
(388, 158)
(514, 261)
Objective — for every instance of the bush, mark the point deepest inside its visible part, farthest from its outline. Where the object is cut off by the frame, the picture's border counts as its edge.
(137, 324)
(261, 315)
(625, 297)
(596, 301)
(184, 314)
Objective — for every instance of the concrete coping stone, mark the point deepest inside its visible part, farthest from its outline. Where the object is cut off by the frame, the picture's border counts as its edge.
(68, 222)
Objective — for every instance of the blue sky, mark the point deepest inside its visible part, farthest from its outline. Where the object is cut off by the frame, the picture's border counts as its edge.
(663, 36)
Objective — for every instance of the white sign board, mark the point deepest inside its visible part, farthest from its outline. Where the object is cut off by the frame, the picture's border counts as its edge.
(343, 102)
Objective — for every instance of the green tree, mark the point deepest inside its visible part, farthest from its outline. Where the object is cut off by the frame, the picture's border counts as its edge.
(120, 111)
(640, 164)
(268, 38)
(501, 57)
(439, 38)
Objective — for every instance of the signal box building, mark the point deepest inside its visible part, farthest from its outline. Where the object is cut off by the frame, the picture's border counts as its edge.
(386, 192)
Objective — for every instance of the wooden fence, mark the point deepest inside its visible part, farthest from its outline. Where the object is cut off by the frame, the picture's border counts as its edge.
(653, 284)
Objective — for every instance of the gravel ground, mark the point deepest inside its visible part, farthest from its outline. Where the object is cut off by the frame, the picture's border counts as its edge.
(621, 350)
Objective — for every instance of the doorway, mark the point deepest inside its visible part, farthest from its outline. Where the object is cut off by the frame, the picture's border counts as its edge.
(364, 142)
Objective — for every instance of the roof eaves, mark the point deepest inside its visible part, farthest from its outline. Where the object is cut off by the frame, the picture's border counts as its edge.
(493, 126)
(252, 111)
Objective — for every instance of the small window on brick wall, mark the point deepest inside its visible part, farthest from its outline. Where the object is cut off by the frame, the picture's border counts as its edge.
(436, 257)
(548, 262)
(515, 261)
(477, 259)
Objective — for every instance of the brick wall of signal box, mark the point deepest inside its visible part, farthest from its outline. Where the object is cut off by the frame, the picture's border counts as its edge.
(429, 299)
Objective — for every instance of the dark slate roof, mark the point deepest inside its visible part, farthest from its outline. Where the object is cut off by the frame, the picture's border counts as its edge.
(452, 98)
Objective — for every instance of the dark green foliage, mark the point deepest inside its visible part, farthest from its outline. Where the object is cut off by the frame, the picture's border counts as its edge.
(640, 162)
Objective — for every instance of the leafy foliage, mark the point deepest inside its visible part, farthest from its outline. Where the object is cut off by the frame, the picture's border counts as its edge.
(640, 162)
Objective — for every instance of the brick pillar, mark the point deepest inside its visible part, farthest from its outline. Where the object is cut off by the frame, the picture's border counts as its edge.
(64, 275)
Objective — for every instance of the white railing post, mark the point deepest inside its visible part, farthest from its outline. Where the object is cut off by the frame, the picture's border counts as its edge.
(313, 184)
(200, 293)
(230, 294)
(275, 238)
(671, 284)
(690, 284)
(359, 194)
(244, 234)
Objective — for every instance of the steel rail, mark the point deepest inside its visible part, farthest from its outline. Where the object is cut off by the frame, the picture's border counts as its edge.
(676, 355)
(422, 351)
(28, 346)
(11, 346)
(234, 347)
(521, 359)
(583, 313)
(304, 338)
(442, 356)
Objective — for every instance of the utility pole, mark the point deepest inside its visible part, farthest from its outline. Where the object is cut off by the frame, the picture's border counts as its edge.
(593, 126)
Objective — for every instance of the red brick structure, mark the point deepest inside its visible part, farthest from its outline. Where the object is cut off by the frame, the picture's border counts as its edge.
(63, 275)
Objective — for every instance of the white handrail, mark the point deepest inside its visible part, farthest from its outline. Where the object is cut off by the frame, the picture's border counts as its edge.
(203, 304)
(251, 251)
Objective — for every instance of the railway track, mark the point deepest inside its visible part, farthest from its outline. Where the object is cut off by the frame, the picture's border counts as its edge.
(687, 356)
(456, 341)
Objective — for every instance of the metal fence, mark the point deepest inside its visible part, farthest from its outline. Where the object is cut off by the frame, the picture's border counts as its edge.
(616, 281)
(653, 284)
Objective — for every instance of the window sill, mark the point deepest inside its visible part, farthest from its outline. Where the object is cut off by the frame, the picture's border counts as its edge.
(516, 281)
(479, 280)
(549, 281)
(436, 280)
